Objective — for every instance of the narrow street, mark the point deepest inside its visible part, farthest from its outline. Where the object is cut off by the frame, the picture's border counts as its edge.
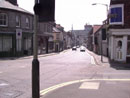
(15, 75)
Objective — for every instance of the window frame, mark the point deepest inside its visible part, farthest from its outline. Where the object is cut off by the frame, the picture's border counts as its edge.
(115, 6)
(19, 21)
(27, 22)
(6, 20)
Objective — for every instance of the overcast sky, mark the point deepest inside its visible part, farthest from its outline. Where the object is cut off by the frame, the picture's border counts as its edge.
(76, 12)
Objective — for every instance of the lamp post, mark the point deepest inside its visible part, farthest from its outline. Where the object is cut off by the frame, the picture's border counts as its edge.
(105, 26)
(102, 4)
(35, 62)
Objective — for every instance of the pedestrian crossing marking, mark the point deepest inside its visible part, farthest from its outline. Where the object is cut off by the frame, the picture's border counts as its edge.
(90, 85)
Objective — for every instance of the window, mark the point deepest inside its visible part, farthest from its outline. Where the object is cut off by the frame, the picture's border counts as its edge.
(17, 21)
(57, 36)
(117, 14)
(128, 46)
(5, 44)
(27, 22)
(3, 19)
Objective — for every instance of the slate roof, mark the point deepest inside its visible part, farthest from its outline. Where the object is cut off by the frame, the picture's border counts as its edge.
(7, 5)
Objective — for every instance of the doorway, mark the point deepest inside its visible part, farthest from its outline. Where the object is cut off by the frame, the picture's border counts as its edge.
(119, 49)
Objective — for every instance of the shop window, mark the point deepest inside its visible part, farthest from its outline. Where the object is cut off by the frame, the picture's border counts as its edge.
(5, 44)
(3, 19)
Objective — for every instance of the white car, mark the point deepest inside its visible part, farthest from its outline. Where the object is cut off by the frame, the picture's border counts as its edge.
(74, 48)
(82, 49)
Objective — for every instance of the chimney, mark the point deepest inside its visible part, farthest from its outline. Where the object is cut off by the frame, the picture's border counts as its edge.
(14, 2)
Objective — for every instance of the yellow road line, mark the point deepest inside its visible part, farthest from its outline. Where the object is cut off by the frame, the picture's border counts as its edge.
(45, 91)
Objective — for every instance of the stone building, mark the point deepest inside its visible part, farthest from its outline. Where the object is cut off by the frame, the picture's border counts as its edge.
(16, 29)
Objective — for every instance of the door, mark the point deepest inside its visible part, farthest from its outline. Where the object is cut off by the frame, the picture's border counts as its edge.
(119, 49)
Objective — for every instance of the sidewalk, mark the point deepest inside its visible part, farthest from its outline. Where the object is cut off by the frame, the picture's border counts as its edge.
(26, 57)
(97, 59)
(89, 89)
(31, 56)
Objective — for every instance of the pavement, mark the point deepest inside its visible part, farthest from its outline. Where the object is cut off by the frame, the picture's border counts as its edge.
(94, 88)
(88, 88)
(91, 88)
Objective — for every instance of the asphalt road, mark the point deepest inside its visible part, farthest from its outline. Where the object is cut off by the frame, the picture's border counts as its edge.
(15, 75)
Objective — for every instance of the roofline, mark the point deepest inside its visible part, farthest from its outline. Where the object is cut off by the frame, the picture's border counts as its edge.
(99, 29)
(17, 11)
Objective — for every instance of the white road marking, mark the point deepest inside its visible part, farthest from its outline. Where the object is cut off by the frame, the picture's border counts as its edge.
(92, 59)
(47, 90)
(90, 85)
(4, 84)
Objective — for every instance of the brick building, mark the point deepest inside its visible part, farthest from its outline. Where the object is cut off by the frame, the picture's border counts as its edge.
(119, 31)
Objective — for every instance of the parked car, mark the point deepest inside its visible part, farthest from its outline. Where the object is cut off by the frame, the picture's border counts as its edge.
(82, 49)
(74, 48)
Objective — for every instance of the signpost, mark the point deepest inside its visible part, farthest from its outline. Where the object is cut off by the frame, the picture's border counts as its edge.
(44, 10)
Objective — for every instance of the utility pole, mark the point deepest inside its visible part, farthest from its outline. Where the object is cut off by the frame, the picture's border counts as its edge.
(35, 62)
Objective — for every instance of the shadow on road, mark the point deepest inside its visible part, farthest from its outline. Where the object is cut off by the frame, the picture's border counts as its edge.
(120, 66)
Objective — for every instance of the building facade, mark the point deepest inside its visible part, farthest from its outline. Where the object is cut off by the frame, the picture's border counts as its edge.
(16, 29)
(100, 44)
(119, 31)
(58, 38)
(45, 37)
(81, 37)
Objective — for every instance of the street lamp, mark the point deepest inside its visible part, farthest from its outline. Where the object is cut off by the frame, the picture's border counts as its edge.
(105, 25)
(102, 4)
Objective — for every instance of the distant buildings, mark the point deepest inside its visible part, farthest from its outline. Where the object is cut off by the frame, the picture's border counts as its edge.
(80, 37)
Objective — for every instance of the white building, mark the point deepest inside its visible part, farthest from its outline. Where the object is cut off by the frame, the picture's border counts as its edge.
(119, 31)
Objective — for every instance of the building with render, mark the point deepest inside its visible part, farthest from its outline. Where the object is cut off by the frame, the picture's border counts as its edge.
(16, 29)
(119, 31)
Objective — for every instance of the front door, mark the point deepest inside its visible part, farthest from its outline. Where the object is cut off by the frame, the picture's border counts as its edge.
(119, 50)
